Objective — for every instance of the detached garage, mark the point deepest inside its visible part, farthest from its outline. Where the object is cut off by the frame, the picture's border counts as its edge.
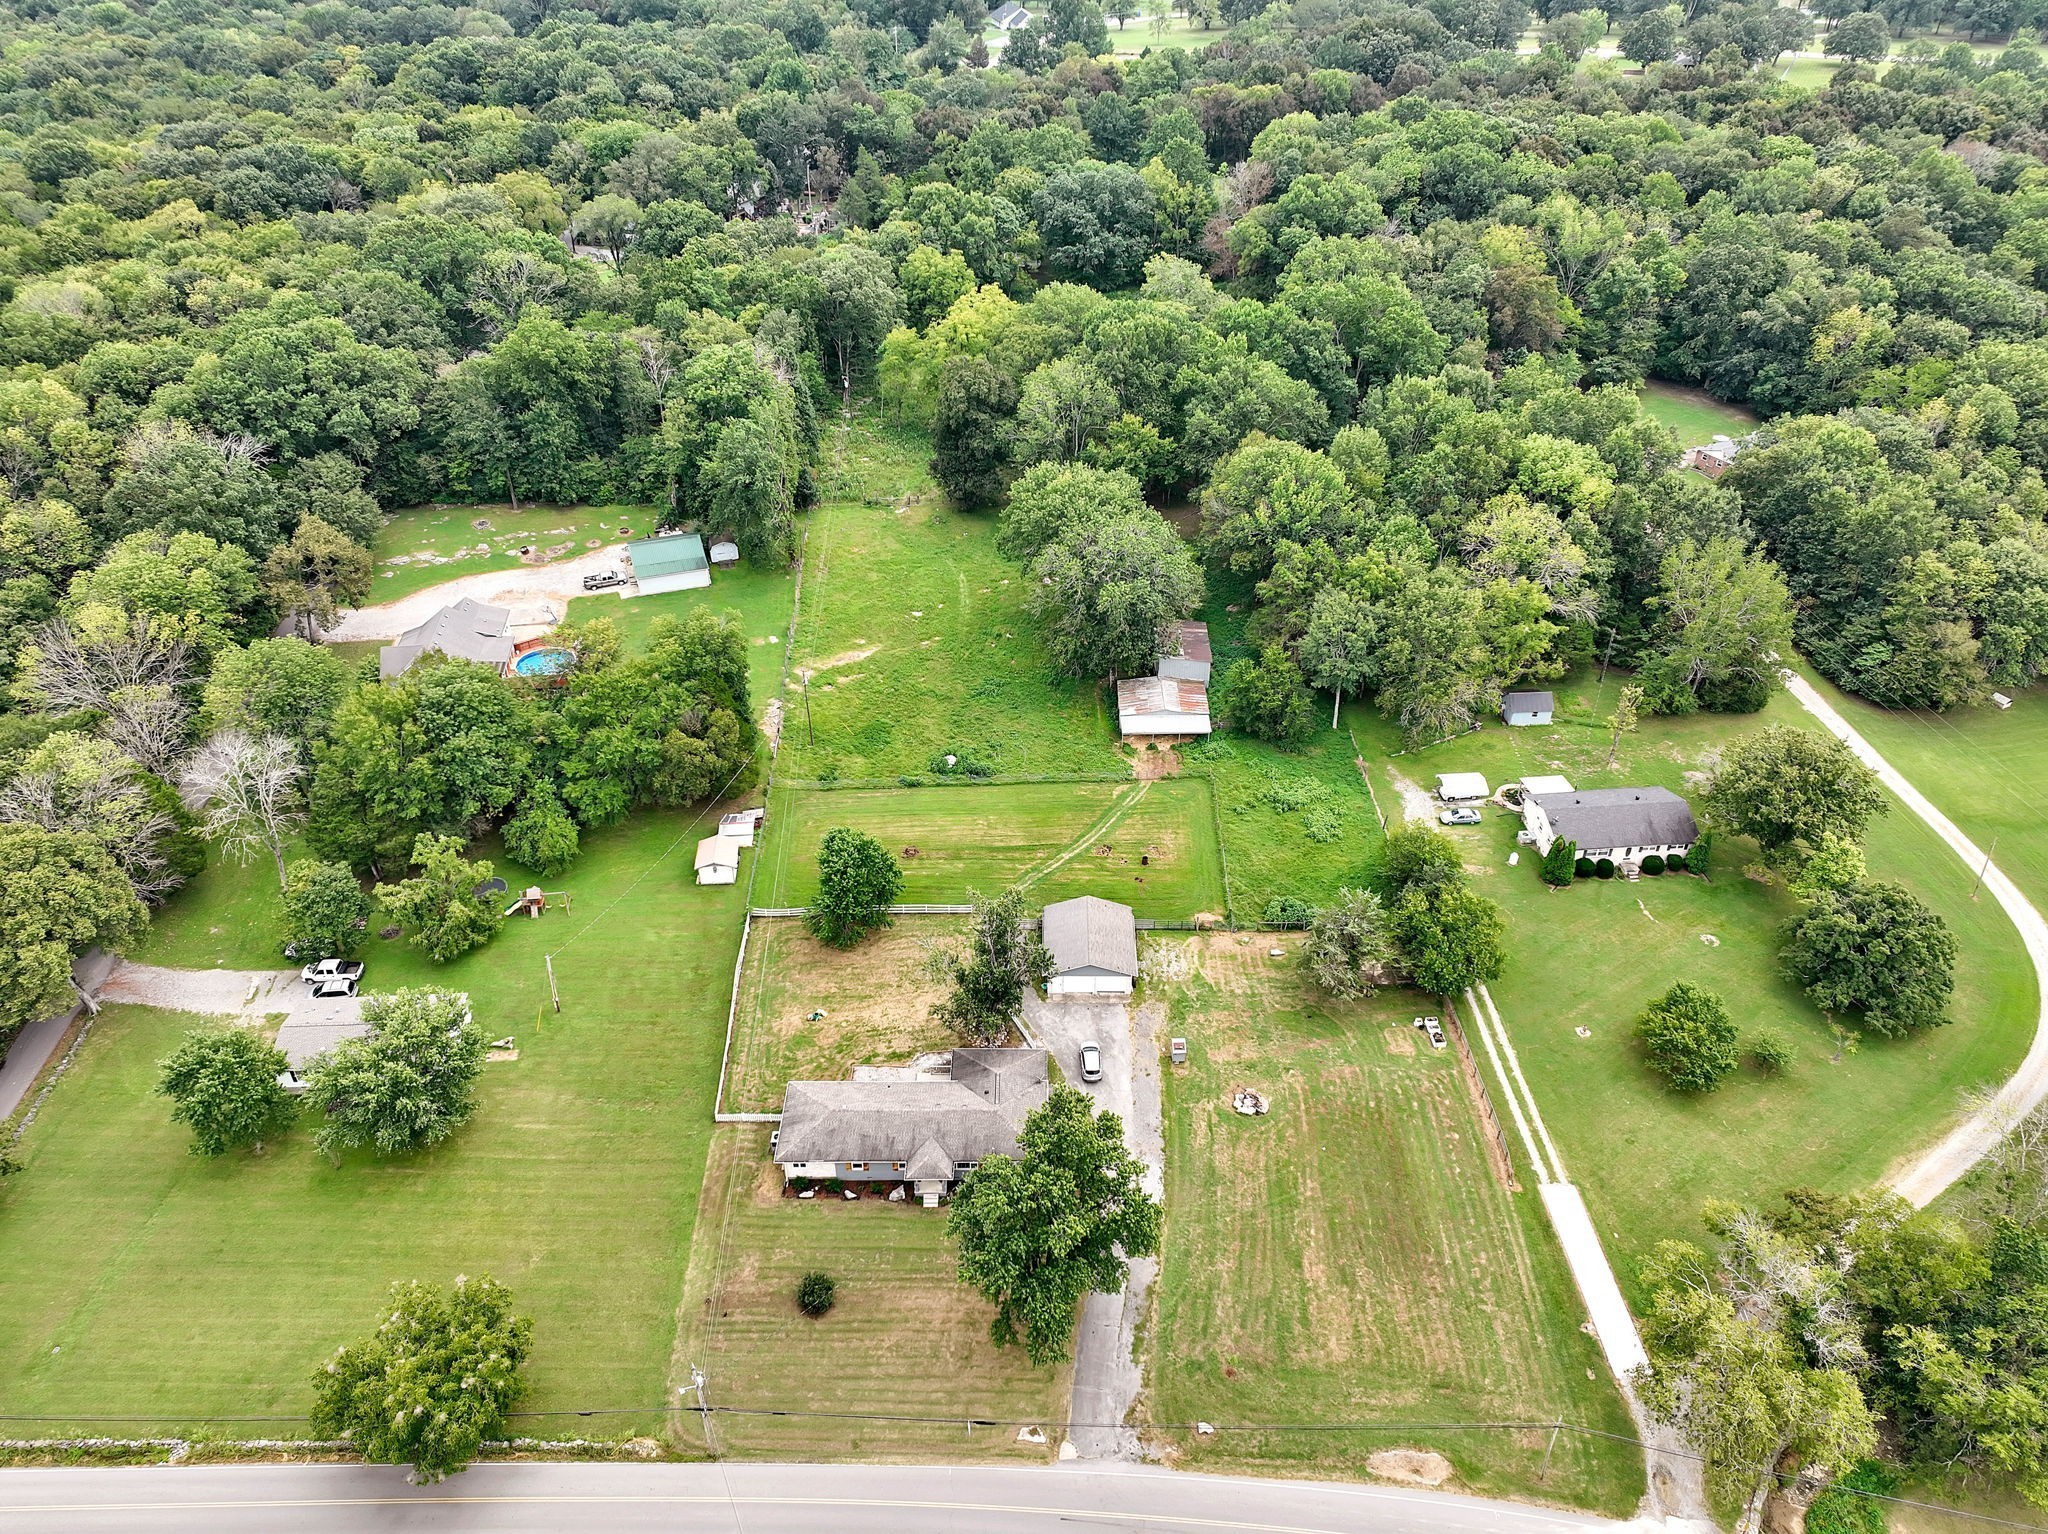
(1094, 944)
(669, 562)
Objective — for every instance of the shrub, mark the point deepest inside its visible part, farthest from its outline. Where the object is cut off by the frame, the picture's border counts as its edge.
(1773, 1056)
(1839, 1510)
(1560, 863)
(1687, 1035)
(1675, 864)
(1583, 868)
(816, 1292)
(1604, 868)
(1653, 865)
(1288, 911)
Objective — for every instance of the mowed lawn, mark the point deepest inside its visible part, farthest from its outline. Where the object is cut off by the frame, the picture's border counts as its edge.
(438, 543)
(138, 1278)
(1695, 415)
(905, 1337)
(1159, 836)
(760, 598)
(1594, 955)
(915, 636)
(1353, 1255)
(876, 1000)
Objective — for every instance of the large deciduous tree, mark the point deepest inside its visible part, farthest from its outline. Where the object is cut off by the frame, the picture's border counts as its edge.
(281, 687)
(1874, 951)
(1349, 946)
(248, 788)
(407, 1085)
(1688, 1038)
(1724, 620)
(315, 572)
(433, 1383)
(61, 892)
(1106, 593)
(442, 903)
(326, 909)
(1784, 785)
(1003, 958)
(857, 883)
(223, 1086)
(1062, 1218)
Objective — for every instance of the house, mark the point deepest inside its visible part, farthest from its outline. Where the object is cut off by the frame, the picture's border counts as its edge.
(1520, 708)
(1191, 656)
(465, 630)
(1094, 945)
(718, 860)
(928, 1134)
(1543, 783)
(1713, 459)
(1009, 16)
(724, 552)
(740, 827)
(1461, 787)
(669, 562)
(1162, 706)
(305, 1039)
(1622, 824)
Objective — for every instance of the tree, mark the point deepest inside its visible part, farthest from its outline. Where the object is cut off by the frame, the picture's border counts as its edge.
(1651, 37)
(858, 305)
(1688, 1038)
(1560, 862)
(857, 883)
(1623, 719)
(1449, 936)
(305, 387)
(1106, 593)
(61, 892)
(406, 1085)
(248, 786)
(179, 481)
(1063, 404)
(129, 669)
(1096, 221)
(541, 836)
(1861, 36)
(325, 909)
(1348, 945)
(1003, 958)
(315, 572)
(1337, 647)
(1264, 695)
(971, 432)
(1416, 856)
(72, 782)
(223, 1085)
(442, 903)
(433, 1383)
(611, 222)
(281, 687)
(1875, 950)
(1783, 785)
(1050, 501)
(1060, 1219)
(816, 1293)
(1724, 615)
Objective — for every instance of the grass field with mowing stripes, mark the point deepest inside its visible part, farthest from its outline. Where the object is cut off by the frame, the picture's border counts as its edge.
(1353, 1256)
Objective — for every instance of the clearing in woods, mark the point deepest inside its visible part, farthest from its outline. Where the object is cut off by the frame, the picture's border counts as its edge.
(905, 1337)
(1353, 1256)
(955, 840)
(1695, 415)
(426, 545)
(877, 1001)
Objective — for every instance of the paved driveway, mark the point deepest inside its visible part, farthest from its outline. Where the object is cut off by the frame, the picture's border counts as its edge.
(1107, 1377)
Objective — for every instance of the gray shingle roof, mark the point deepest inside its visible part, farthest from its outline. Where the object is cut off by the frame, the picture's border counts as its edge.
(466, 630)
(916, 1121)
(1092, 933)
(1528, 703)
(1598, 818)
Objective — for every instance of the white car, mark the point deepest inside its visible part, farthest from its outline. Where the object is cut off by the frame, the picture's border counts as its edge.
(1460, 817)
(335, 987)
(332, 969)
(1091, 1061)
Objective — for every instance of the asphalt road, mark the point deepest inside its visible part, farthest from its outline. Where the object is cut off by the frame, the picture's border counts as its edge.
(737, 1499)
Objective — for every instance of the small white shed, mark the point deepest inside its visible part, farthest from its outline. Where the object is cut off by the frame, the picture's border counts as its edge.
(1461, 787)
(1094, 945)
(740, 826)
(1527, 708)
(718, 860)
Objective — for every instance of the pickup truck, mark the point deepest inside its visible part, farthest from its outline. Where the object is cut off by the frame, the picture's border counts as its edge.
(332, 969)
(604, 580)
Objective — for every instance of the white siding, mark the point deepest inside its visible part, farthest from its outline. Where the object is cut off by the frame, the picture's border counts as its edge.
(1165, 724)
(718, 873)
(682, 580)
(1081, 984)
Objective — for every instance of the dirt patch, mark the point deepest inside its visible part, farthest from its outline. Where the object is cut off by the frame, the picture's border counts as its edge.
(1400, 1041)
(771, 724)
(1416, 803)
(1162, 762)
(843, 658)
(1411, 1467)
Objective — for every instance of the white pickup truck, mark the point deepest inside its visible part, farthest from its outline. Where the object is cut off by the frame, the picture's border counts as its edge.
(332, 969)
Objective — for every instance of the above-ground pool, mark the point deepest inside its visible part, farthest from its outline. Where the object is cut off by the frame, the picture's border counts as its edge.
(551, 662)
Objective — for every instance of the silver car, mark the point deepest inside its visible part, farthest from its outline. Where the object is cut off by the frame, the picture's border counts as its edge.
(1091, 1061)
(1466, 816)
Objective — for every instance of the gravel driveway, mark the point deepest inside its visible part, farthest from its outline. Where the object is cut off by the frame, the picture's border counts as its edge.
(1107, 1376)
(525, 585)
(245, 993)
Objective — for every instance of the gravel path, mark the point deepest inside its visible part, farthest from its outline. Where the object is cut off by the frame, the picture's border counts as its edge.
(244, 993)
(520, 586)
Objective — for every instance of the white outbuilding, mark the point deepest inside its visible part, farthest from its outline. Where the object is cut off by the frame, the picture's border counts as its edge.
(718, 860)
(1094, 944)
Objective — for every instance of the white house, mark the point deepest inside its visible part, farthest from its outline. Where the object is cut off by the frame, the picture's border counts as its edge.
(1461, 787)
(1162, 706)
(668, 562)
(1094, 945)
(718, 860)
(1191, 657)
(1525, 708)
(305, 1039)
(1625, 825)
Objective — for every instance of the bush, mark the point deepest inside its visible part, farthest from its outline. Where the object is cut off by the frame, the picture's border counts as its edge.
(1773, 1056)
(1583, 868)
(1288, 911)
(1675, 864)
(1653, 865)
(1838, 1510)
(1604, 868)
(1560, 863)
(1687, 1035)
(816, 1292)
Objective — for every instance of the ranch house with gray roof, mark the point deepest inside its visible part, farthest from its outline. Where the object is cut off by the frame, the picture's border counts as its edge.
(1622, 824)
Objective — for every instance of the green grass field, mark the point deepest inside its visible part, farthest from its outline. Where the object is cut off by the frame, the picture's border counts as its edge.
(1046, 837)
(439, 531)
(914, 631)
(1295, 823)
(761, 598)
(1591, 957)
(1354, 1256)
(136, 1277)
(905, 1337)
(1695, 415)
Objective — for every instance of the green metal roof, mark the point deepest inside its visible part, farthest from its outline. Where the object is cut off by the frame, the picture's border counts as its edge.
(676, 554)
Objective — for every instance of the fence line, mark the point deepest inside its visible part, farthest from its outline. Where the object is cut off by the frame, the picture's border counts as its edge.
(952, 780)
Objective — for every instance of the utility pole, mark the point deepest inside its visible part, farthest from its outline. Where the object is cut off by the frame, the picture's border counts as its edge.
(1604, 659)
(1985, 869)
(557, 995)
(703, 1411)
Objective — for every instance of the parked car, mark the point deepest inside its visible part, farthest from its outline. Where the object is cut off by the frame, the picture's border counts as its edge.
(1466, 816)
(604, 580)
(332, 969)
(1434, 1027)
(1091, 1061)
(334, 986)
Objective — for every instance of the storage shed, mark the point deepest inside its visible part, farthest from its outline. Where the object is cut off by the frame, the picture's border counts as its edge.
(1162, 706)
(1520, 708)
(1191, 657)
(718, 860)
(1094, 944)
(669, 562)
(724, 552)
